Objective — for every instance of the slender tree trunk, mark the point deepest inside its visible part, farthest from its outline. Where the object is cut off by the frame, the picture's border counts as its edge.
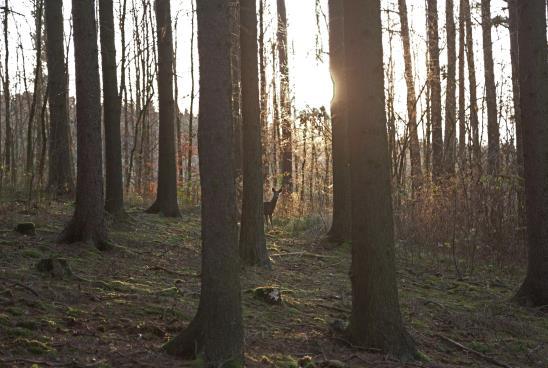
(340, 228)
(514, 53)
(252, 239)
(493, 148)
(450, 94)
(414, 147)
(263, 93)
(87, 223)
(216, 332)
(166, 196)
(472, 82)
(7, 96)
(60, 169)
(285, 103)
(462, 88)
(533, 72)
(191, 112)
(114, 198)
(375, 318)
(236, 89)
(435, 89)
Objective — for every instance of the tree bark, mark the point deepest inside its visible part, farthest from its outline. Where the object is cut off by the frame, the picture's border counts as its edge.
(114, 194)
(87, 223)
(252, 239)
(7, 99)
(375, 318)
(514, 53)
(533, 72)
(340, 228)
(60, 169)
(414, 146)
(450, 93)
(435, 89)
(472, 82)
(166, 195)
(217, 329)
(462, 88)
(493, 135)
(285, 102)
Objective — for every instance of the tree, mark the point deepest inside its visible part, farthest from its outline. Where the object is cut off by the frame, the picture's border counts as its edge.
(252, 239)
(450, 94)
(493, 145)
(340, 228)
(435, 88)
(217, 329)
(375, 318)
(533, 72)
(514, 56)
(7, 160)
(114, 198)
(462, 88)
(166, 195)
(87, 223)
(285, 103)
(472, 82)
(60, 169)
(414, 147)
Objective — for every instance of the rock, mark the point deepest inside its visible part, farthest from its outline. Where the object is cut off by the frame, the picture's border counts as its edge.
(26, 228)
(55, 267)
(268, 294)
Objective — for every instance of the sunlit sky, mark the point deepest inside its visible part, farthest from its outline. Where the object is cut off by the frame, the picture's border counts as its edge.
(309, 76)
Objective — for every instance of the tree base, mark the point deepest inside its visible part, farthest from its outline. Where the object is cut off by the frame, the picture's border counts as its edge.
(77, 231)
(398, 344)
(164, 210)
(532, 294)
(189, 343)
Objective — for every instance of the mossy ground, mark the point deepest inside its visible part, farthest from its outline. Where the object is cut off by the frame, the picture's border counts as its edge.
(126, 303)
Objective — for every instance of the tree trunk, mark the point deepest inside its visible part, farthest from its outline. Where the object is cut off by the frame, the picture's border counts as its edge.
(462, 89)
(450, 95)
(88, 223)
(340, 228)
(474, 121)
(7, 97)
(252, 239)
(114, 194)
(285, 103)
(435, 89)
(166, 196)
(191, 112)
(60, 169)
(493, 147)
(514, 53)
(375, 319)
(236, 89)
(217, 329)
(414, 147)
(533, 72)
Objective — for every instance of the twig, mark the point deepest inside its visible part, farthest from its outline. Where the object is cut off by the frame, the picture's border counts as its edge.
(357, 347)
(16, 283)
(477, 353)
(305, 254)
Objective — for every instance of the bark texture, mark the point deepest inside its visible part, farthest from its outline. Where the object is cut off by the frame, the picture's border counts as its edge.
(166, 196)
(217, 329)
(60, 169)
(449, 152)
(114, 194)
(375, 318)
(252, 238)
(87, 224)
(533, 76)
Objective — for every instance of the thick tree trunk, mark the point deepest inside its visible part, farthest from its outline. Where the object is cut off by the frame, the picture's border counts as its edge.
(166, 196)
(340, 228)
(217, 330)
(252, 239)
(514, 53)
(533, 72)
(472, 82)
(114, 194)
(414, 146)
(376, 319)
(450, 93)
(435, 89)
(285, 102)
(493, 147)
(87, 223)
(60, 170)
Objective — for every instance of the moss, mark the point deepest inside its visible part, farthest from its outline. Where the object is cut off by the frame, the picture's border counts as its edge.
(28, 324)
(35, 347)
(18, 332)
(31, 253)
(15, 311)
(5, 320)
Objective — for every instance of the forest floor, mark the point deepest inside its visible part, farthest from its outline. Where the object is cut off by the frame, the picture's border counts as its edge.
(120, 307)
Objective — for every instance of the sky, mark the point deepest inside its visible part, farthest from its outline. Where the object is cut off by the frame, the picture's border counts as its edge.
(309, 75)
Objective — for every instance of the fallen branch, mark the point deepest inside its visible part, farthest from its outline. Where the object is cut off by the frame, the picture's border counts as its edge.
(477, 353)
(304, 254)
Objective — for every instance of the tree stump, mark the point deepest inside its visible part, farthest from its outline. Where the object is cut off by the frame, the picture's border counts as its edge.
(26, 228)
